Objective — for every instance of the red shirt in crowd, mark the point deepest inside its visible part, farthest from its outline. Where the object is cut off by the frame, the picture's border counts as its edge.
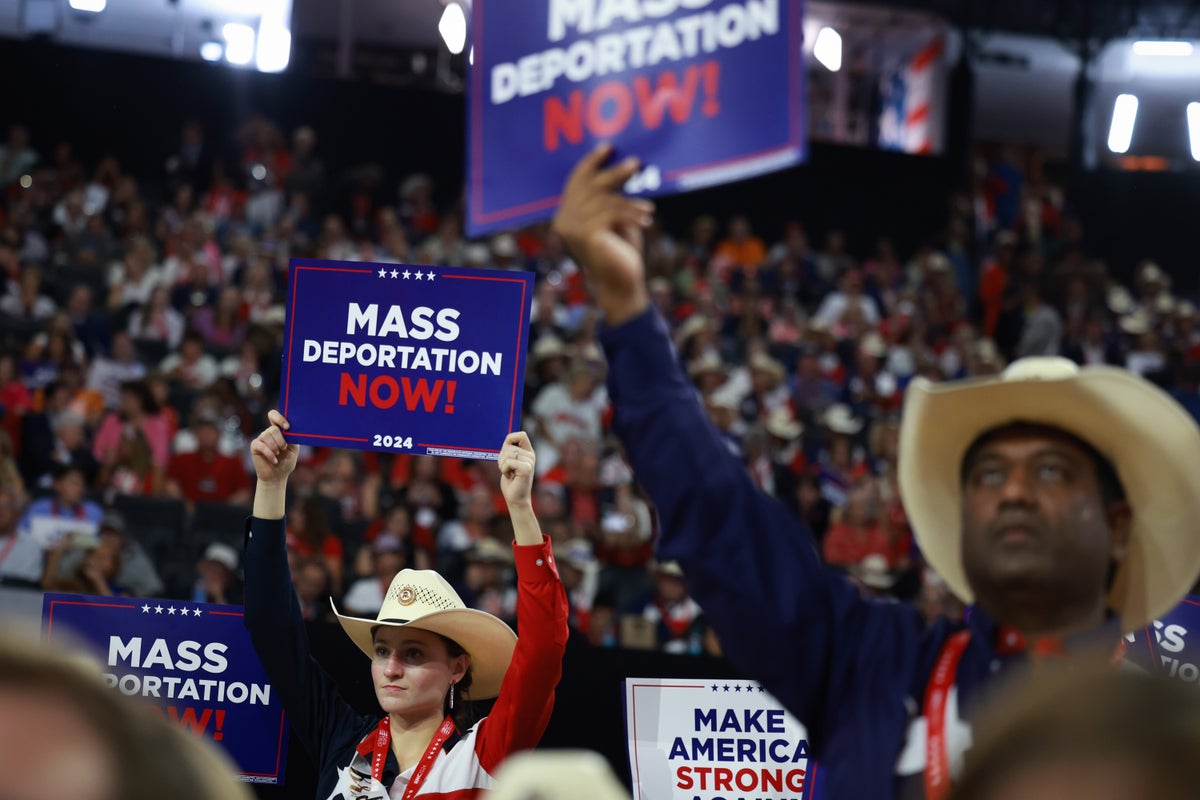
(208, 478)
(845, 545)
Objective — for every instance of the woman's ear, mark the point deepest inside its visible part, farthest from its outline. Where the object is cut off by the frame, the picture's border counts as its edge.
(458, 666)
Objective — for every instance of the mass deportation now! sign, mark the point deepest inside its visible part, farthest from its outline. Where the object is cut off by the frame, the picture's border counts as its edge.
(194, 662)
(404, 358)
(702, 91)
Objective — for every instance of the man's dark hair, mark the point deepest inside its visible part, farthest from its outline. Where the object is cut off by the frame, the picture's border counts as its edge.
(1111, 489)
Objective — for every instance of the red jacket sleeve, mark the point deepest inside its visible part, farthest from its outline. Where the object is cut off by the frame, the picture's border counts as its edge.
(522, 709)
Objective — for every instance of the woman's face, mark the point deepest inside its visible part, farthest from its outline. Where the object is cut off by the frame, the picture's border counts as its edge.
(412, 671)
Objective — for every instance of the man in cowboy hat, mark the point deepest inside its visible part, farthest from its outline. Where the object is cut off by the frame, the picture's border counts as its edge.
(1060, 500)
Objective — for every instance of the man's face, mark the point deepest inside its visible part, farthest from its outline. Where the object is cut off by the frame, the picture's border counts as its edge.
(70, 488)
(1034, 517)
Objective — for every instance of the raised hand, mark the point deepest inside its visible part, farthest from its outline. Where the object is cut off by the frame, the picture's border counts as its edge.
(516, 463)
(274, 459)
(602, 228)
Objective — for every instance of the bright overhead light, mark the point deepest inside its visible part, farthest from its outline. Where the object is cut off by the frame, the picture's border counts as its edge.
(274, 49)
(1193, 114)
(828, 49)
(1120, 133)
(94, 6)
(453, 28)
(1152, 48)
(212, 51)
(239, 43)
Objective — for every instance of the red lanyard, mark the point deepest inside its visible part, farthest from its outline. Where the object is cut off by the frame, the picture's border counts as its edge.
(379, 743)
(937, 757)
(937, 692)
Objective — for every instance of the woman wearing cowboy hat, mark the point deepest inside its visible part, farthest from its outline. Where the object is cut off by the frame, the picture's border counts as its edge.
(429, 654)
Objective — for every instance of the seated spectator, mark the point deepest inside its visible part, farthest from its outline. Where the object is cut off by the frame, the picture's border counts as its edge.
(217, 580)
(137, 575)
(68, 447)
(486, 584)
(419, 546)
(22, 555)
(565, 410)
(121, 365)
(67, 510)
(10, 474)
(95, 573)
(137, 409)
(157, 321)
(677, 620)
(132, 282)
(130, 470)
(192, 368)
(741, 248)
(579, 570)
(389, 555)
(91, 329)
(25, 299)
(309, 534)
(15, 398)
(459, 535)
(836, 305)
(221, 324)
(312, 581)
(206, 475)
(860, 531)
(343, 480)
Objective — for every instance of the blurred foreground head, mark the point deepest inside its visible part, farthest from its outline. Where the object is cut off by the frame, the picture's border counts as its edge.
(556, 775)
(1106, 735)
(64, 736)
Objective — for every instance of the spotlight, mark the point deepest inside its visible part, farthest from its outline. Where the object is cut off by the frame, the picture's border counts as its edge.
(828, 49)
(453, 28)
(1120, 133)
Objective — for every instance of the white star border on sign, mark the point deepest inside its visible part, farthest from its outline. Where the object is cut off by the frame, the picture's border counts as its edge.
(383, 273)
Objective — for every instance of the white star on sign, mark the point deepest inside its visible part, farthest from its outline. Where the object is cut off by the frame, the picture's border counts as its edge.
(146, 609)
(158, 609)
(195, 612)
(395, 273)
(430, 276)
(171, 610)
(407, 274)
(383, 273)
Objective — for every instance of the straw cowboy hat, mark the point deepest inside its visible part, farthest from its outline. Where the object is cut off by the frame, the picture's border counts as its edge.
(840, 418)
(420, 598)
(781, 424)
(1151, 441)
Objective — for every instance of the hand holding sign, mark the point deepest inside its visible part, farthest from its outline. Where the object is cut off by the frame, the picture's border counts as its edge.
(516, 464)
(274, 459)
(603, 230)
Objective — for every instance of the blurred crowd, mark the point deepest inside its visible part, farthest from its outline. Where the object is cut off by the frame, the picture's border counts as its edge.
(140, 336)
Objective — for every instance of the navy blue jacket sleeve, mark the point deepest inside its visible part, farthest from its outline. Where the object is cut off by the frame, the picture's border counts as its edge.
(319, 715)
(782, 617)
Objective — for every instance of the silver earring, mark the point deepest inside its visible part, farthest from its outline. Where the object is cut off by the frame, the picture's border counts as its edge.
(452, 696)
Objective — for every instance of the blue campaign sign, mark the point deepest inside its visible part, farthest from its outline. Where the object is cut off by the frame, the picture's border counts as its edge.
(192, 661)
(404, 358)
(1171, 644)
(702, 91)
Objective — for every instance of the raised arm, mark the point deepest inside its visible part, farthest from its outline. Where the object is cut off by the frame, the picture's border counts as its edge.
(522, 709)
(516, 463)
(273, 615)
(782, 618)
